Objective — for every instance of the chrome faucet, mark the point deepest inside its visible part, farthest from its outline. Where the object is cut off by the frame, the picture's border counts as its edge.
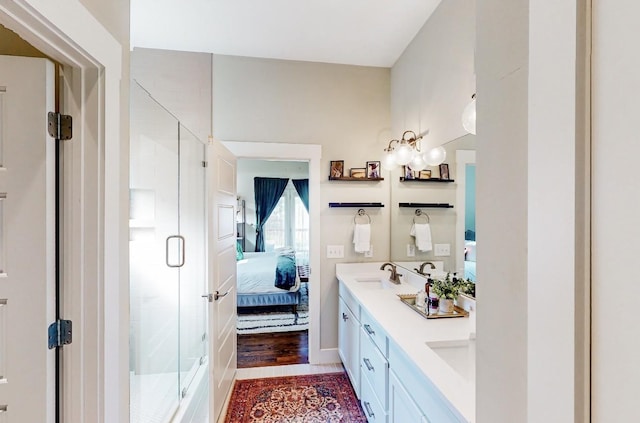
(421, 270)
(394, 276)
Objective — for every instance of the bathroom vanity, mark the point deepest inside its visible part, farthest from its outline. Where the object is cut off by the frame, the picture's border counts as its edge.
(403, 367)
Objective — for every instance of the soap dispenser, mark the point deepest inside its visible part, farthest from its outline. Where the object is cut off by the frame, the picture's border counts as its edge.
(422, 296)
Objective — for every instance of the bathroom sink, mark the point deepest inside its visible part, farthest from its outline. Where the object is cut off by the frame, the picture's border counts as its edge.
(460, 355)
(375, 282)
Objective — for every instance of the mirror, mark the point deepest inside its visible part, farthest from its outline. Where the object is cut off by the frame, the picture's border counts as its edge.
(454, 226)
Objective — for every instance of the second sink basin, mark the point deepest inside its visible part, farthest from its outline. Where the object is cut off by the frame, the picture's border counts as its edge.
(460, 355)
(374, 281)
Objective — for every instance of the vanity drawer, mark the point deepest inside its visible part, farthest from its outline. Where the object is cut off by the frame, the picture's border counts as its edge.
(373, 410)
(373, 330)
(349, 300)
(374, 367)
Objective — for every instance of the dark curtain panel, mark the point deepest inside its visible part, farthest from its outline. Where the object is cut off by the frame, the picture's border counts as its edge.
(267, 193)
(302, 186)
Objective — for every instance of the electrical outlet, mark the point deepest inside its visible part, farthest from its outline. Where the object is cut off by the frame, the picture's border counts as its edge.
(440, 250)
(370, 252)
(411, 250)
(335, 251)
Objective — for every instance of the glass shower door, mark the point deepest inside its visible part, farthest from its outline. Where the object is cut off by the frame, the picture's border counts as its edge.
(155, 250)
(193, 282)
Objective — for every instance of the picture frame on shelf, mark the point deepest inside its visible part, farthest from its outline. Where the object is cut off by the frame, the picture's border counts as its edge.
(444, 171)
(373, 170)
(408, 173)
(358, 172)
(424, 174)
(336, 169)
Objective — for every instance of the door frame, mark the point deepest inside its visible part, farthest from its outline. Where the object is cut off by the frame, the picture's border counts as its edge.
(311, 153)
(94, 267)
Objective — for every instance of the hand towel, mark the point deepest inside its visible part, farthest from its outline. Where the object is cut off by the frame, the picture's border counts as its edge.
(362, 238)
(422, 233)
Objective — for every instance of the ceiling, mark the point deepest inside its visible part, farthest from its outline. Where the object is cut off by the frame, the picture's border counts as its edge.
(356, 32)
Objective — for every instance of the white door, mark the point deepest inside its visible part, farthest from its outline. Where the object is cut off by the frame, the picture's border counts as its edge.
(222, 274)
(27, 240)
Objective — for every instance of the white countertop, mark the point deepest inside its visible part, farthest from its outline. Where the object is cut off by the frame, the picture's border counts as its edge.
(410, 331)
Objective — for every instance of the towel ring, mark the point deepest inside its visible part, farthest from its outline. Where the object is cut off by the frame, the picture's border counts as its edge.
(361, 213)
(420, 213)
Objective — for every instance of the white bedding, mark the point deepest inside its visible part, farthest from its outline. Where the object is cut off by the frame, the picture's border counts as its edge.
(256, 274)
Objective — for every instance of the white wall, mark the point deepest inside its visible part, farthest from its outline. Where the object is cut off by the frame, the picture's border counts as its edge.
(249, 169)
(345, 109)
(616, 344)
(431, 83)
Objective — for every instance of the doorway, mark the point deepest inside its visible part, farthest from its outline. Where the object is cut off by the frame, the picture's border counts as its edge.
(273, 322)
(311, 154)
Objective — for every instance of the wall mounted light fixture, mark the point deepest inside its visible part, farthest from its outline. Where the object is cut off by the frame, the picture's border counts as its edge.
(469, 116)
(406, 151)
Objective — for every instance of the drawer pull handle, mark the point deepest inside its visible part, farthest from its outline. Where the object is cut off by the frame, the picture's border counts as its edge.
(344, 316)
(367, 406)
(369, 330)
(368, 364)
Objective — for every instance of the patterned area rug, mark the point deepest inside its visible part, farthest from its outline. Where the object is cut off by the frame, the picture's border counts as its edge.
(323, 398)
(275, 319)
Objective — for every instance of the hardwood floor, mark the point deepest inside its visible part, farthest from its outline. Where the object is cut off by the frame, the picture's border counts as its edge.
(273, 349)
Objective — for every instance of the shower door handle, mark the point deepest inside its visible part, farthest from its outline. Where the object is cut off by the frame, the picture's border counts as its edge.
(182, 244)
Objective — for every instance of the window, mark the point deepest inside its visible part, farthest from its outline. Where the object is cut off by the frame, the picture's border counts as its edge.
(288, 225)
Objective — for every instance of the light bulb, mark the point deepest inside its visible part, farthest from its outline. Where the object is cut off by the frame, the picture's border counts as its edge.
(389, 161)
(469, 117)
(435, 156)
(418, 163)
(404, 153)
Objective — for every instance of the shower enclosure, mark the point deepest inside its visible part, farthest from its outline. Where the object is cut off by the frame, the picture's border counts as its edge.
(167, 248)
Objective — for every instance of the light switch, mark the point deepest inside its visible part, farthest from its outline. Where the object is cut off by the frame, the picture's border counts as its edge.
(440, 250)
(335, 251)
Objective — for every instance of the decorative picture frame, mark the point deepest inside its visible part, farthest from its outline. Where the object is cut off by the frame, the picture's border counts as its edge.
(444, 171)
(336, 169)
(373, 170)
(424, 174)
(408, 173)
(358, 172)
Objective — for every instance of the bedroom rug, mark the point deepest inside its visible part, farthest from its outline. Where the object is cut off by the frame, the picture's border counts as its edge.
(321, 398)
(275, 319)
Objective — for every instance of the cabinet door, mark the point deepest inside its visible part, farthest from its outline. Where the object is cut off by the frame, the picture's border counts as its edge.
(349, 344)
(402, 409)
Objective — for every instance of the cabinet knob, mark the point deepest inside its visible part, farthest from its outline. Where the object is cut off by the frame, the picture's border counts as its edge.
(369, 330)
(344, 316)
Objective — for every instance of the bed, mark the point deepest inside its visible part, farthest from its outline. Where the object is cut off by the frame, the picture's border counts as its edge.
(258, 274)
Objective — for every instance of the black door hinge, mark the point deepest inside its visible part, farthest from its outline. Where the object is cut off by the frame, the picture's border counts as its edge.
(59, 333)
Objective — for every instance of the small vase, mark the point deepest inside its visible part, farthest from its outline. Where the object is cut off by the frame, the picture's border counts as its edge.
(446, 305)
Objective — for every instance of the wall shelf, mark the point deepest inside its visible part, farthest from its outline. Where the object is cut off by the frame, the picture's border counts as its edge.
(402, 179)
(349, 178)
(427, 205)
(332, 205)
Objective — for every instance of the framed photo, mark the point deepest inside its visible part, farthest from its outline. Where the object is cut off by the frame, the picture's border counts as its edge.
(408, 173)
(373, 170)
(425, 174)
(444, 171)
(358, 172)
(337, 169)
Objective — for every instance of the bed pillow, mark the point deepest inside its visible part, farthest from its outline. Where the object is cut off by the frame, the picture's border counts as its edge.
(239, 252)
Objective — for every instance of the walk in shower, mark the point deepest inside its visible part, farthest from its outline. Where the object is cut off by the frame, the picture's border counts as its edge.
(167, 249)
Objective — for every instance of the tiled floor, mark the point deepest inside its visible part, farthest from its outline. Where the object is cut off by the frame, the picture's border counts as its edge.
(275, 371)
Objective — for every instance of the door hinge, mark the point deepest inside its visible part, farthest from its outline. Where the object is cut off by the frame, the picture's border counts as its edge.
(205, 163)
(60, 126)
(59, 333)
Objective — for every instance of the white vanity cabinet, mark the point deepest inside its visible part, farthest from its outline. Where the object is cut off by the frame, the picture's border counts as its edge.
(349, 337)
(402, 409)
